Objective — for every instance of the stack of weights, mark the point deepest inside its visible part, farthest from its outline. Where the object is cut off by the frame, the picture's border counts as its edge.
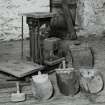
(67, 80)
(50, 45)
(41, 86)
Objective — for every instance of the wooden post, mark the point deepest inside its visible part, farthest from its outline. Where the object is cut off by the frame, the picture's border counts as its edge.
(22, 40)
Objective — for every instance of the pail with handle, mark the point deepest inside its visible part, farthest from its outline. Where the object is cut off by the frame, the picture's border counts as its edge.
(67, 80)
(41, 86)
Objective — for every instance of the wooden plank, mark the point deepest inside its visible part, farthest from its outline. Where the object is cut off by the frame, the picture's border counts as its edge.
(19, 68)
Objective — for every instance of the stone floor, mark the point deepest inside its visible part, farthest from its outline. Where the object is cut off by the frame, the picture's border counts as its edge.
(11, 50)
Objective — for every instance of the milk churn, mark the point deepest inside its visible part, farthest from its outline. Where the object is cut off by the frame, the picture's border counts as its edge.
(41, 86)
(67, 80)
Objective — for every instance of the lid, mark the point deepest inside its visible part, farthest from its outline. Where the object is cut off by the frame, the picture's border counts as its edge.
(40, 78)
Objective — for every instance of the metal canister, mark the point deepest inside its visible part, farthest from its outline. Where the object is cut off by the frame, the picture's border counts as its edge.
(42, 88)
(67, 81)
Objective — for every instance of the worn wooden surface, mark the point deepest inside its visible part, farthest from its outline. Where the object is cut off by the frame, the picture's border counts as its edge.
(19, 68)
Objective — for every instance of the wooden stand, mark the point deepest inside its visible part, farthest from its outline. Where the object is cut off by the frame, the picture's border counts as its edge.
(35, 21)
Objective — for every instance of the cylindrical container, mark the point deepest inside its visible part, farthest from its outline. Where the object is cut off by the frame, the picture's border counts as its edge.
(91, 81)
(42, 88)
(82, 56)
(67, 81)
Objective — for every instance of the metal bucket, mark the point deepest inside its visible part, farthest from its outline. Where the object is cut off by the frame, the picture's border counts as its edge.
(41, 87)
(67, 81)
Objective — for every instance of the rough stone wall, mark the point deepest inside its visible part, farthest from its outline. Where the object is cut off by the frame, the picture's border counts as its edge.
(10, 20)
(91, 15)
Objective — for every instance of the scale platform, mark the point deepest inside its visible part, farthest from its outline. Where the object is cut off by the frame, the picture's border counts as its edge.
(20, 68)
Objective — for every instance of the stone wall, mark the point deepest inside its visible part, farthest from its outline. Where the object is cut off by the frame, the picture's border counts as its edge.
(91, 15)
(10, 20)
